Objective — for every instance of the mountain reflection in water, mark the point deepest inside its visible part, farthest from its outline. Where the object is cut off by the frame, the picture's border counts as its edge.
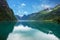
(5, 29)
(35, 31)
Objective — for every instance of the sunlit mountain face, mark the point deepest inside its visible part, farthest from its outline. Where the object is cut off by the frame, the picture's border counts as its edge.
(25, 7)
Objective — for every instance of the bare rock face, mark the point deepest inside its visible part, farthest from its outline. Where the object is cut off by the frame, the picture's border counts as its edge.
(6, 13)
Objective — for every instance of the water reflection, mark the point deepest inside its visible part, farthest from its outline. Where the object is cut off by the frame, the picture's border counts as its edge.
(5, 29)
(43, 26)
(35, 31)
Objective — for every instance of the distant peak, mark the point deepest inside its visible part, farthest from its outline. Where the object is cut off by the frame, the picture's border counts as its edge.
(21, 15)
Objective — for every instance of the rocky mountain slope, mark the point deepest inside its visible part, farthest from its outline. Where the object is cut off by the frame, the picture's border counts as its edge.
(6, 13)
(47, 14)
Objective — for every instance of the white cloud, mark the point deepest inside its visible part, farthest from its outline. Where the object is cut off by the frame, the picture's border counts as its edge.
(25, 12)
(21, 15)
(45, 6)
(22, 28)
(17, 13)
(14, 5)
(23, 4)
(32, 34)
(36, 8)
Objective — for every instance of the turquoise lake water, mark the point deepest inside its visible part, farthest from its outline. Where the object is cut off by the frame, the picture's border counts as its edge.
(35, 31)
(29, 31)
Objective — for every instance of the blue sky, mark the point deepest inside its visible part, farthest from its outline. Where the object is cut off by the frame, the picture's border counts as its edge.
(25, 7)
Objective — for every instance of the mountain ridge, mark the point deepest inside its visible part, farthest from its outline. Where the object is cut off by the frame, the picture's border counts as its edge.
(51, 14)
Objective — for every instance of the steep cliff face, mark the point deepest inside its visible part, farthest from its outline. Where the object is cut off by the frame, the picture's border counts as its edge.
(6, 13)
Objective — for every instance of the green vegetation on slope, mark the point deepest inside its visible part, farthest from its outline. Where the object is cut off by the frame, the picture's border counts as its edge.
(6, 13)
(47, 14)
